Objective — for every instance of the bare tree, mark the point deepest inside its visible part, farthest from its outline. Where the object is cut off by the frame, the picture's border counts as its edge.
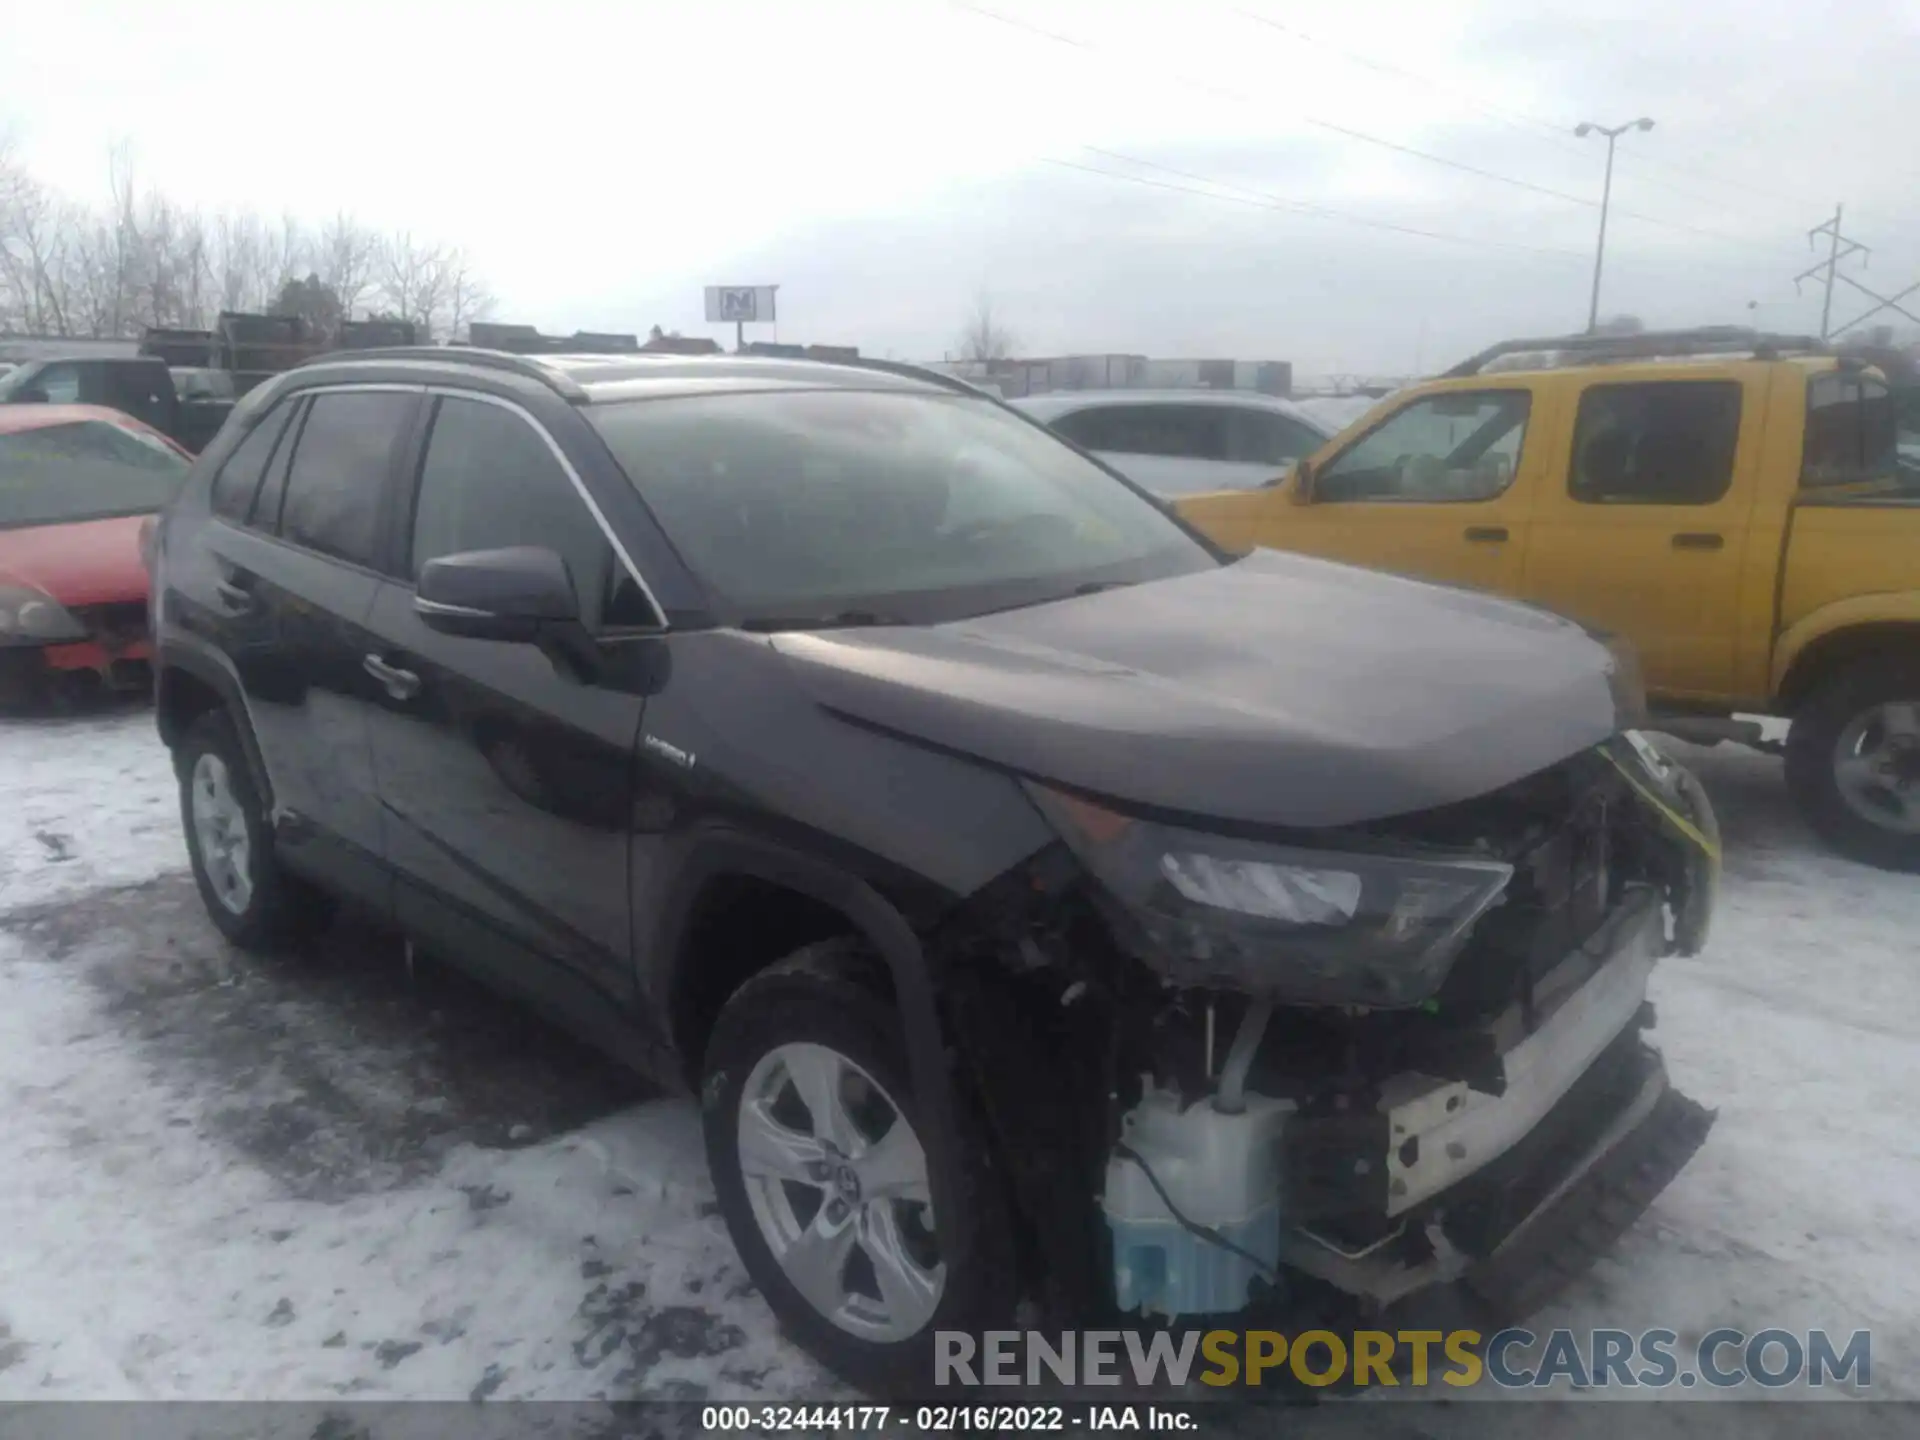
(36, 258)
(467, 297)
(413, 281)
(985, 338)
(345, 257)
(142, 260)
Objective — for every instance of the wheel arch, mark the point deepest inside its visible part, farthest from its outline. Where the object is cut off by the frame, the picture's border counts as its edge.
(722, 872)
(189, 682)
(1836, 636)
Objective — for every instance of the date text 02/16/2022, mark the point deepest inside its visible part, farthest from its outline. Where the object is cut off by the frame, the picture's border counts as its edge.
(943, 1419)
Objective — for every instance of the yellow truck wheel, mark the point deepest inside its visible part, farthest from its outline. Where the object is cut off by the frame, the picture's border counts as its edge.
(1853, 761)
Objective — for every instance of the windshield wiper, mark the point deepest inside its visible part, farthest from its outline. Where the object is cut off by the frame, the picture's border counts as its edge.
(839, 620)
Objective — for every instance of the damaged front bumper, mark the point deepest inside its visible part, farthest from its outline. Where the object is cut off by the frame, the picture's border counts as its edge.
(1512, 1195)
(1510, 1184)
(1495, 1135)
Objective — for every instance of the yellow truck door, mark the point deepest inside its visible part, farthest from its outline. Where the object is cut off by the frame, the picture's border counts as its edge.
(1646, 532)
(1438, 487)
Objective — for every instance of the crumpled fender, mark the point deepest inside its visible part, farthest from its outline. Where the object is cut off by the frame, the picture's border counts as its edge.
(1677, 796)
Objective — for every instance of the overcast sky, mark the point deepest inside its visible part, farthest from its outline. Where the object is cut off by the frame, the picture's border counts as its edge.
(884, 163)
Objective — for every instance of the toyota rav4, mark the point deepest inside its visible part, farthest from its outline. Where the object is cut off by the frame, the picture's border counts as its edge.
(1044, 906)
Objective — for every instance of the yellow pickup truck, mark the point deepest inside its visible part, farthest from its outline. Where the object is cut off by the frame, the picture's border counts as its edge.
(1733, 504)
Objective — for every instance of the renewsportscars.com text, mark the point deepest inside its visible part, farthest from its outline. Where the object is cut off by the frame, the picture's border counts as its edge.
(1510, 1359)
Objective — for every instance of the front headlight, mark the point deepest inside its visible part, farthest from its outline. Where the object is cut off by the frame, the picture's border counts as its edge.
(32, 617)
(1300, 926)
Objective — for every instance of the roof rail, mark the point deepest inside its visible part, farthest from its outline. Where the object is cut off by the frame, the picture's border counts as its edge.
(905, 371)
(528, 366)
(1649, 344)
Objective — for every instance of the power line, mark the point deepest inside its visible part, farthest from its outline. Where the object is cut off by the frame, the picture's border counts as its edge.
(1349, 132)
(1515, 119)
(1337, 129)
(1264, 201)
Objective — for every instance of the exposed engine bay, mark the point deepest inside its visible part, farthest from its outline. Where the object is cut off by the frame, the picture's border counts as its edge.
(1401, 1057)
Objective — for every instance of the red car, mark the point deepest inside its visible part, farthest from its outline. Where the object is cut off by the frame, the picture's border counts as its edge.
(79, 487)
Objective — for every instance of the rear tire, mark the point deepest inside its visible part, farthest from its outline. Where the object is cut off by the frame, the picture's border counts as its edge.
(880, 1285)
(1853, 762)
(249, 897)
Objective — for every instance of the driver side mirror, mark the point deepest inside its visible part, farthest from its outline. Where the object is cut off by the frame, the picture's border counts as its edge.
(511, 594)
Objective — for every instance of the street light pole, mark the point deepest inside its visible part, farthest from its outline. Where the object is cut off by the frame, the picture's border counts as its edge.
(1612, 133)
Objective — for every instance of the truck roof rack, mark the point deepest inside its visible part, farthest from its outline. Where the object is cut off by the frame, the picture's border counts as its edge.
(529, 366)
(1648, 345)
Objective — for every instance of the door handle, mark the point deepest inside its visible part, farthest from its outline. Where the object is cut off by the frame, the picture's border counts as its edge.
(401, 684)
(1491, 533)
(1699, 540)
(235, 594)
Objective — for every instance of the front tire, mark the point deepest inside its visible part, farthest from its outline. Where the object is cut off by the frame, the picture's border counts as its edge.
(1853, 762)
(250, 899)
(820, 1163)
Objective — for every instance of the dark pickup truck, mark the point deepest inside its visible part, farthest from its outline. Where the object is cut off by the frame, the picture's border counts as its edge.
(188, 405)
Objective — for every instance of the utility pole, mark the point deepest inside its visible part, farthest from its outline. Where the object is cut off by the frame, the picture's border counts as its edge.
(1829, 269)
(1612, 133)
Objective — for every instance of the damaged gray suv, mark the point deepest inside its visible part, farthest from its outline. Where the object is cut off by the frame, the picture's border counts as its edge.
(1045, 906)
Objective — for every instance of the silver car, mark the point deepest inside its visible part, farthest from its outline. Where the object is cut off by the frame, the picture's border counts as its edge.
(1183, 442)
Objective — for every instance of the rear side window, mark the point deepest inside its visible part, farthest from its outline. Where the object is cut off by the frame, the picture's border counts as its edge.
(1670, 443)
(138, 390)
(340, 465)
(490, 480)
(1853, 431)
(239, 478)
(1182, 432)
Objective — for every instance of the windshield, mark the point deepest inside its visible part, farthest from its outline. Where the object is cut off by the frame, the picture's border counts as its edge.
(807, 506)
(87, 470)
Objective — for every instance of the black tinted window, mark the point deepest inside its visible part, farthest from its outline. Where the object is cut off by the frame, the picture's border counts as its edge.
(1852, 431)
(239, 477)
(1669, 443)
(490, 480)
(339, 471)
(140, 390)
(1183, 432)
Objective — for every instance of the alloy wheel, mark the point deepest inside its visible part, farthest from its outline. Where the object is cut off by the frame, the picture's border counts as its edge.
(838, 1183)
(220, 828)
(1876, 766)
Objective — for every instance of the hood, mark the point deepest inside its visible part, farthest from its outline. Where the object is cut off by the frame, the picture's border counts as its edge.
(1278, 690)
(94, 562)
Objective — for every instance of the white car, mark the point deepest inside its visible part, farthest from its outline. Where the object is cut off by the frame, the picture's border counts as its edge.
(1183, 442)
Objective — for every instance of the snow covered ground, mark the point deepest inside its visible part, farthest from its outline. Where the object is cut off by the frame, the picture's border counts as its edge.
(320, 1177)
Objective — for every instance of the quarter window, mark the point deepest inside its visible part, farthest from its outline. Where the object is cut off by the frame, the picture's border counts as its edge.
(489, 481)
(1261, 437)
(1457, 446)
(239, 478)
(1670, 443)
(339, 471)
